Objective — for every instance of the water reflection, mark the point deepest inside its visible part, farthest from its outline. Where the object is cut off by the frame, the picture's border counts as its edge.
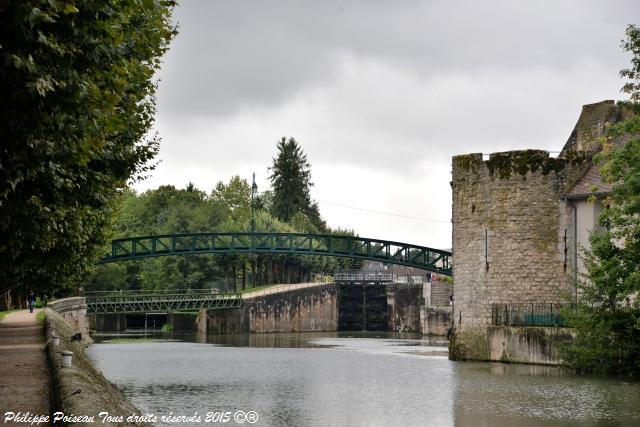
(353, 379)
(495, 394)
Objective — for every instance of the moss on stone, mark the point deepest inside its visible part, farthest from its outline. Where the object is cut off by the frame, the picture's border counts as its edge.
(520, 162)
(468, 345)
(467, 162)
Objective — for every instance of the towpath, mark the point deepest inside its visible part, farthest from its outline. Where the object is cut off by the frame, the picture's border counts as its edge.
(277, 289)
(24, 371)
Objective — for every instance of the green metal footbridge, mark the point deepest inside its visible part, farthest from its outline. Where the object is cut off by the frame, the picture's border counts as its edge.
(106, 302)
(435, 260)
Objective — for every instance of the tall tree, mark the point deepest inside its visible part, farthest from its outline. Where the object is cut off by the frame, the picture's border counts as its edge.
(606, 316)
(78, 101)
(291, 181)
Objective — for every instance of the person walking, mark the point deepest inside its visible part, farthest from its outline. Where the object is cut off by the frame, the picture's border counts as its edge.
(31, 301)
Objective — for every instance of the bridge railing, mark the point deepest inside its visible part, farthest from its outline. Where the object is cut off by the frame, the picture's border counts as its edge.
(435, 260)
(159, 302)
(166, 301)
(120, 292)
(527, 314)
(354, 276)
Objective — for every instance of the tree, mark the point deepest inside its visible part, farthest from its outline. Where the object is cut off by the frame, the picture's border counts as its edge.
(291, 181)
(235, 197)
(78, 101)
(606, 316)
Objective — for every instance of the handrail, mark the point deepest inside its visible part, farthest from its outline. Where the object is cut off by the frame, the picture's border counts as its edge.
(387, 251)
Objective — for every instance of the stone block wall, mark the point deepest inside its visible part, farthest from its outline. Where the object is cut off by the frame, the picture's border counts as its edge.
(591, 125)
(440, 293)
(300, 310)
(509, 244)
(538, 345)
(81, 389)
(435, 320)
(403, 305)
(74, 312)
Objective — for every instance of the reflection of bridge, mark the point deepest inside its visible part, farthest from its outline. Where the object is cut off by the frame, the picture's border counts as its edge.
(430, 259)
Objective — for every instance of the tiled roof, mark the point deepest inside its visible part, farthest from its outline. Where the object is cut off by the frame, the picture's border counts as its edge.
(590, 183)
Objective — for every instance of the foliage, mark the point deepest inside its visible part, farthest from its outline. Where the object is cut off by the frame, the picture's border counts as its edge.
(235, 198)
(78, 102)
(227, 209)
(40, 317)
(291, 181)
(606, 316)
(632, 45)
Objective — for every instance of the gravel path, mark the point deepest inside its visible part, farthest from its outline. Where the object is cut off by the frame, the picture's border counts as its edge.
(24, 371)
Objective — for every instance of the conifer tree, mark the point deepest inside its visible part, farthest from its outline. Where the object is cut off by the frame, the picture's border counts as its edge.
(291, 181)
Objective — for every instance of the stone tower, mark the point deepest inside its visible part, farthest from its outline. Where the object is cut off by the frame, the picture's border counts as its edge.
(513, 229)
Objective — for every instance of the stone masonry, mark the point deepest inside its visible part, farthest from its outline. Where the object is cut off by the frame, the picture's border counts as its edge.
(509, 227)
(513, 228)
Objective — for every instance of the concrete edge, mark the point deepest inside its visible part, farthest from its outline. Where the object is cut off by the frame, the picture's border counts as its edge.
(80, 389)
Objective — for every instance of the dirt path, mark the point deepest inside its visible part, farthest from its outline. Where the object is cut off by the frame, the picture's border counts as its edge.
(24, 372)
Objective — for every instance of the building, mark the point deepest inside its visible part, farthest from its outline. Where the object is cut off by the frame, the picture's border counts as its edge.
(520, 219)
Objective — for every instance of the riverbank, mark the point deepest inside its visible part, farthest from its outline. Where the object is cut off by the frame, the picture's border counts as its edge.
(24, 371)
(80, 389)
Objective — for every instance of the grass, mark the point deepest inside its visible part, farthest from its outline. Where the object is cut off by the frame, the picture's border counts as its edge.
(257, 288)
(39, 316)
(166, 328)
(4, 313)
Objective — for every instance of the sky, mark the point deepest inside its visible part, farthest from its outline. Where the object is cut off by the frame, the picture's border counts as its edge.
(379, 94)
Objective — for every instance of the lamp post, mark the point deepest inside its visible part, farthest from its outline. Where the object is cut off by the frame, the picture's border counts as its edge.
(254, 193)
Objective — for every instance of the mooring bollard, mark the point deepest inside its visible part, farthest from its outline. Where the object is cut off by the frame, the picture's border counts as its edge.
(66, 357)
(55, 340)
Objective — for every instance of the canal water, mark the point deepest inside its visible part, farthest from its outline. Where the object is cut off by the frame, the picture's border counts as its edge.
(351, 379)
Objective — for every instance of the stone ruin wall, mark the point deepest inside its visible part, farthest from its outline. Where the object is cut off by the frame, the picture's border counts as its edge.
(593, 120)
(516, 198)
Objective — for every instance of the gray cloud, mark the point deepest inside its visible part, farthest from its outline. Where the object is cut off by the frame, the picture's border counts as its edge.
(234, 54)
(380, 94)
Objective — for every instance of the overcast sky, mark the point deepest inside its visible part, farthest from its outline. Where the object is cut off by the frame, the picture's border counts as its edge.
(379, 94)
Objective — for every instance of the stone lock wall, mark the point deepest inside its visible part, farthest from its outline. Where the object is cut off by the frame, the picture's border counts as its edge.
(303, 310)
(440, 293)
(403, 305)
(310, 309)
(509, 226)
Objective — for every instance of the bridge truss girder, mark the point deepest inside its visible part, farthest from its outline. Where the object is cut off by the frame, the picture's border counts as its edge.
(430, 259)
(159, 303)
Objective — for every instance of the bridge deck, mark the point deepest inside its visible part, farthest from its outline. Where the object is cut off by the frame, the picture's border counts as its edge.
(160, 303)
(430, 259)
